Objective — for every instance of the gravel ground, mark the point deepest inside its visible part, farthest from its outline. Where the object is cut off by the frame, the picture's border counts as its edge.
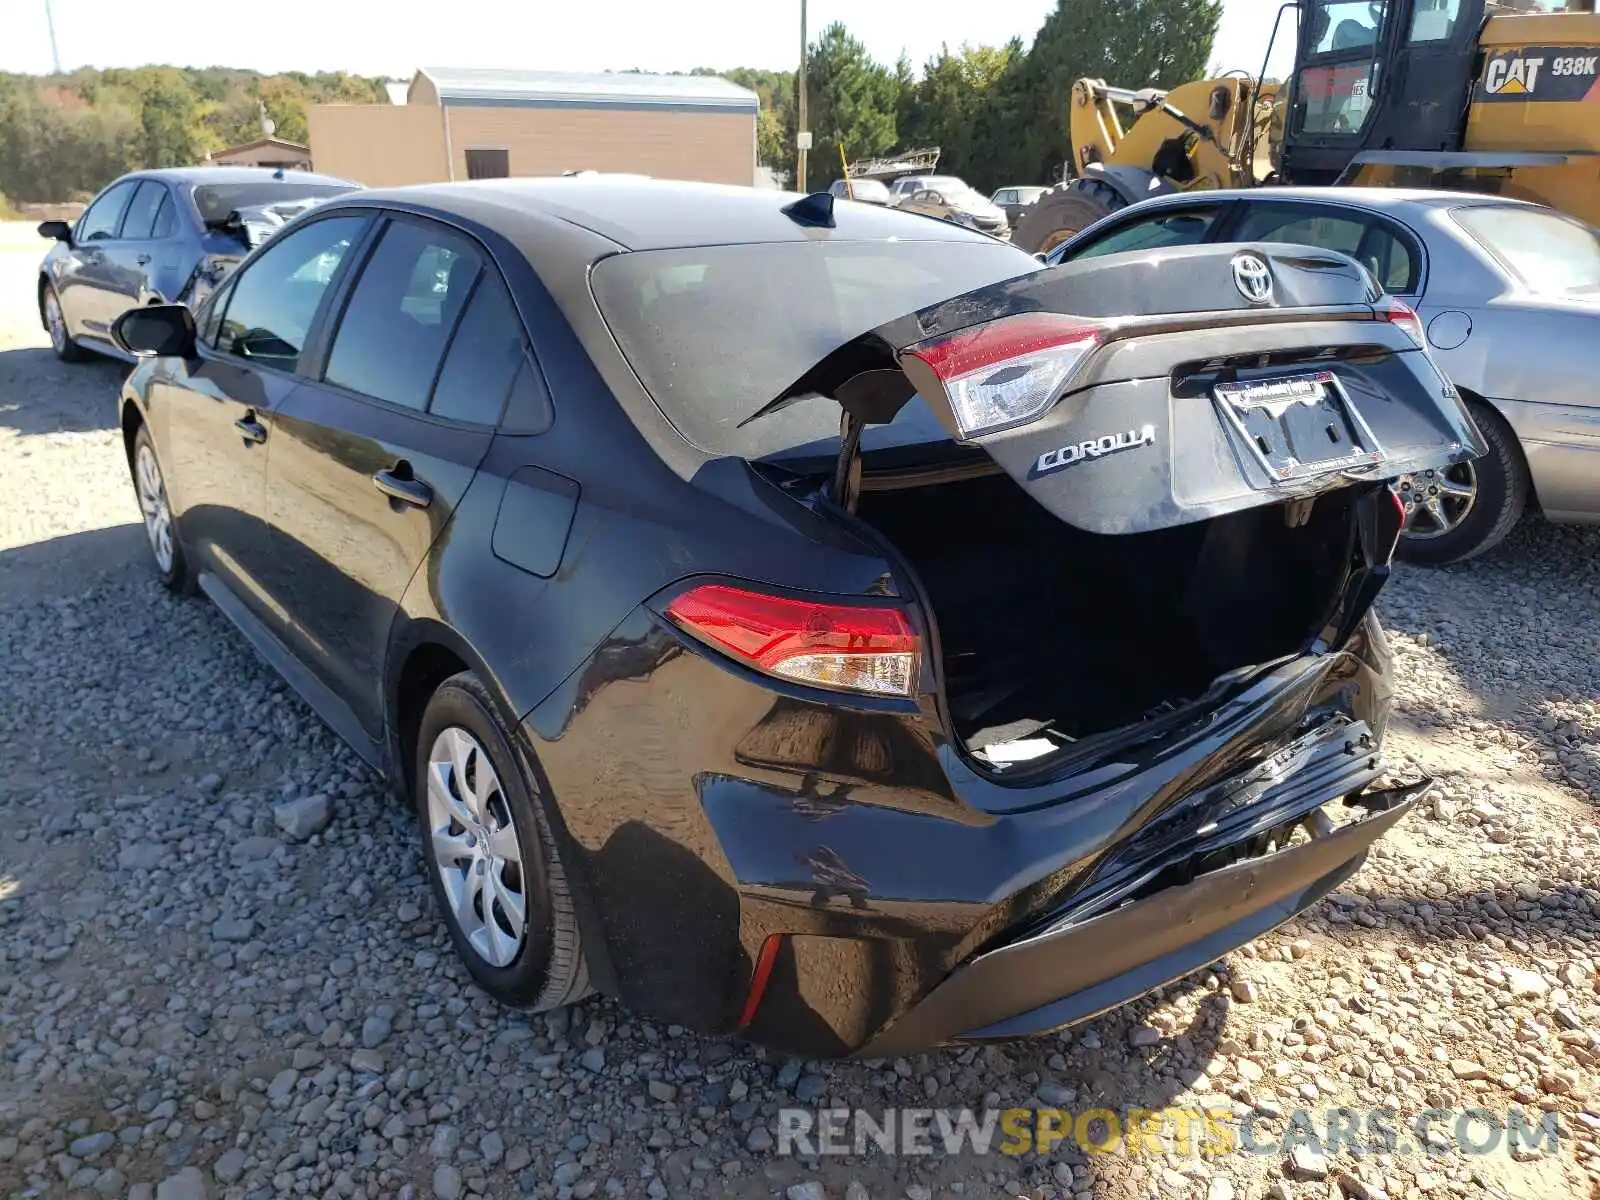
(197, 1001)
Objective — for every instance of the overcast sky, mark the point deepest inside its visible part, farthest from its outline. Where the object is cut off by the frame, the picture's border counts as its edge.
(650, 35)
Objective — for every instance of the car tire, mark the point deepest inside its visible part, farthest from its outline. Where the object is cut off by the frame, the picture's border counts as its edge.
(488, 848)
(1500, 486)
(161, 531)
(1056, 216)
(55, 322)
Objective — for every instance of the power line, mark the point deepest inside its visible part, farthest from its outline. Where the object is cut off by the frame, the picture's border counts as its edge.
(50, 21)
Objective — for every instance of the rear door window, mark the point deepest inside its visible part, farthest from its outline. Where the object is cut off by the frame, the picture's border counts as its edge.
(275, 297)
(1189, 227)
(483, 357)
(392, 337)
(1372, 242)
(140, 220)
(166, 219)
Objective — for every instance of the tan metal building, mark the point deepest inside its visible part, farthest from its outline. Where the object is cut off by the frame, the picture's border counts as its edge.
(481, 124)
(264, 152)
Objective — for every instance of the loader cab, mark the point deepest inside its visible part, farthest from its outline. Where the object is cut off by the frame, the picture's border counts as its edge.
(1377, 75)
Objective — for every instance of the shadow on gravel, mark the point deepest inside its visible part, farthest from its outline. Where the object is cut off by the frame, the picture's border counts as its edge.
(1545, 911)
(41, 394)
(1513, 629)
(67, 565)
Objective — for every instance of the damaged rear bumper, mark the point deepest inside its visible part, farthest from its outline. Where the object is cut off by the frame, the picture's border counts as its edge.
(1077, 968)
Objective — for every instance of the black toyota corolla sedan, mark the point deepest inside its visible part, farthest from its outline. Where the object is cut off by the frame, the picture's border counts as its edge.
(822, 623)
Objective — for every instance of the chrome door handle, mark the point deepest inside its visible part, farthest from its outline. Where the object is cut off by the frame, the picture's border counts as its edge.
(398, 483)
(250, 429)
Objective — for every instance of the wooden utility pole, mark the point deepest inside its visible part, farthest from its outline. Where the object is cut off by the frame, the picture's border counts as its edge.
(802, 131)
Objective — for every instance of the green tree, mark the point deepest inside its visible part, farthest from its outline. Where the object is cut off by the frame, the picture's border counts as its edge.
(955, 106)
(1128, 43)
(170, 116)
(284, 98)
(852, 104)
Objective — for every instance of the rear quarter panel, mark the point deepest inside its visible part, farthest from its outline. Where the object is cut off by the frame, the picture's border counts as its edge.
(1538, 366)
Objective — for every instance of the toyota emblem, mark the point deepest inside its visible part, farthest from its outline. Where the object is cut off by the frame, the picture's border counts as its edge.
(1252, 278)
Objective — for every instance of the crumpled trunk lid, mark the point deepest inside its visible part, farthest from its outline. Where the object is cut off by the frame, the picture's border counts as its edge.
(1167, 386)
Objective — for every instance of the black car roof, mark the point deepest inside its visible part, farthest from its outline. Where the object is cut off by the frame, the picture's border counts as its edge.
(649, 214)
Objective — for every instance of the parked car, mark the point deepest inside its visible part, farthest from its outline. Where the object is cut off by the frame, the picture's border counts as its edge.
(967, 723)
(869, 191)
(158, 236)
(1510, 295)
(1014, 201)
(949, 199)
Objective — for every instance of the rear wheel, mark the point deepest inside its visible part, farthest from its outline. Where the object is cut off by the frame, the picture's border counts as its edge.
(55, 321)
(1063, 213)
(491, 858)
(1458, 512)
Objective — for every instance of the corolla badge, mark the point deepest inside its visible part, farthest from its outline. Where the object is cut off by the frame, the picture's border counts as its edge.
(1253, 279)
(1112, 443)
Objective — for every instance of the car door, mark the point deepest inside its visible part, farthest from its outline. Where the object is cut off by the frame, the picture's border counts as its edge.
(130, 256)
(370, 461)
(85, 281)
(1392, 253)
(146, 256)
(214, 414)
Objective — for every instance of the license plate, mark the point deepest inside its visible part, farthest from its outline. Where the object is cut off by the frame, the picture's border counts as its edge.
(1299, 426)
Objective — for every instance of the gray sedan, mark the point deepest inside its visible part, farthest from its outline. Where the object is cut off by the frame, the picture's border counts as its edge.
(158, 236)
(1509, 295)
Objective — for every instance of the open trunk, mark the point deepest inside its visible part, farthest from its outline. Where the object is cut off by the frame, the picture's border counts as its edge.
(1048, 633)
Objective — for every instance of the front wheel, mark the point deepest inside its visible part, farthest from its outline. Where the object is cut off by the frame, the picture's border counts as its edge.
(1458, 512)
(491, 857)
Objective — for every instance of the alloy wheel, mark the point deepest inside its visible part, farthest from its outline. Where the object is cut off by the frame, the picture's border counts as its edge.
(153, 503)
(54, 320)
(1437, 501)
(473, 838)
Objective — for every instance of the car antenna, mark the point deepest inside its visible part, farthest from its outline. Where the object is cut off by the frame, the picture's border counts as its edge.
(815, 210)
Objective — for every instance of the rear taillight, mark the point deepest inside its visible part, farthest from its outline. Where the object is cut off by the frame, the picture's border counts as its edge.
(1401, 314)
(844, 647)
(1006, 372)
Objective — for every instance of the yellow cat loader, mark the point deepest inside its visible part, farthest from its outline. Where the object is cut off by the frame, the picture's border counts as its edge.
(1458, 94)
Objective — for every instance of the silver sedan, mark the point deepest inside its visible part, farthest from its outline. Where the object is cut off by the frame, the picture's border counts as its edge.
(1509, 296)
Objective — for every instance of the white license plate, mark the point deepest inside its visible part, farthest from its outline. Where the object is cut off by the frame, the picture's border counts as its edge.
(1298, 426)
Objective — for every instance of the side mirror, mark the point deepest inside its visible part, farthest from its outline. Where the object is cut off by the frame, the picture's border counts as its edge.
(159, 330)
(1042, 257)
(56, 231)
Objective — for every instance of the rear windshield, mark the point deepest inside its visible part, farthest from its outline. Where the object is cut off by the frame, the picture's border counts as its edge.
(215, 201)
(715, 332)
(1550, 254)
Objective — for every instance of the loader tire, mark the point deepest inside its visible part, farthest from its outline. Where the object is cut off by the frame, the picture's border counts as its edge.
(1058, 215)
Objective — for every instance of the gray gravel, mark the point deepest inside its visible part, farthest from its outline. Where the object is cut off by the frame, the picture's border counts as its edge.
(221, 974)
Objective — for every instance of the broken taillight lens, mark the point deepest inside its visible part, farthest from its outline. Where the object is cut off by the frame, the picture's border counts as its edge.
(1006, 372)
(844, 647)
(1401, 314)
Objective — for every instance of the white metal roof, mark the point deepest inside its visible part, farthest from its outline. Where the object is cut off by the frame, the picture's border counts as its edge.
(620, 89)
